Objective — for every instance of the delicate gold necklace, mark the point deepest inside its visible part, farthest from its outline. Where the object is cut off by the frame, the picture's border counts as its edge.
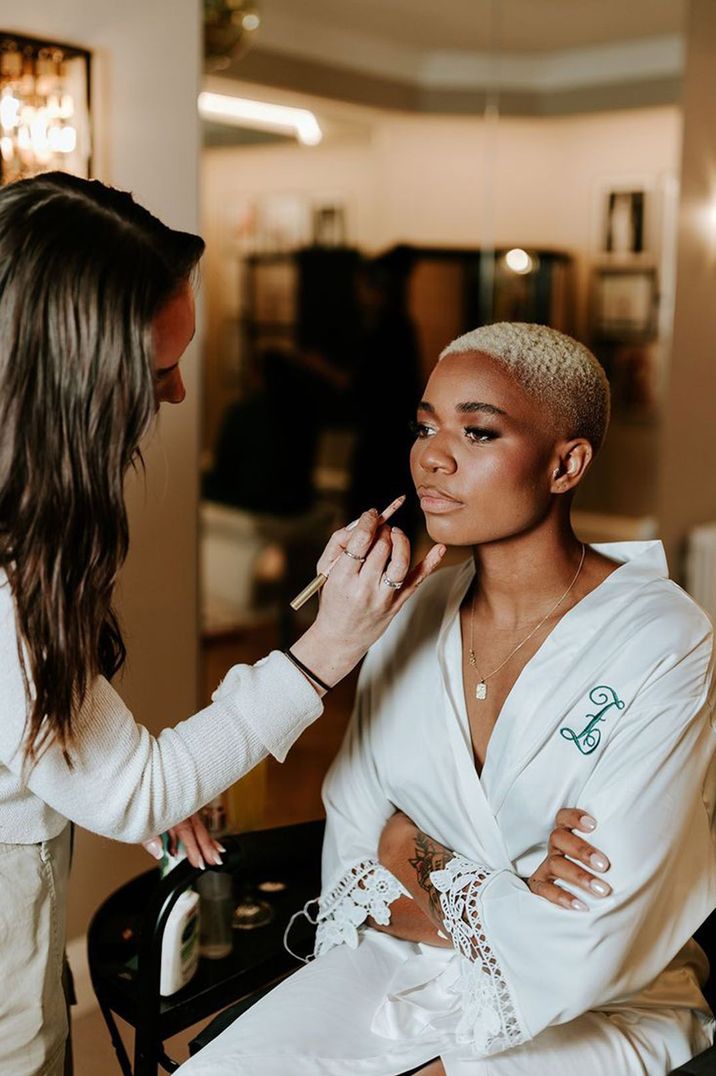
(481, 686)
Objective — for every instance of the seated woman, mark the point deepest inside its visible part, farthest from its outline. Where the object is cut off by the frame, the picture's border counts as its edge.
(537, 673)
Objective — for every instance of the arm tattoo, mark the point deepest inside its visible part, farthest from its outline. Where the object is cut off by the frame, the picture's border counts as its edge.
(429, 856)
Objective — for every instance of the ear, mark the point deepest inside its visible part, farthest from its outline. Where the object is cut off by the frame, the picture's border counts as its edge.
(571, 464)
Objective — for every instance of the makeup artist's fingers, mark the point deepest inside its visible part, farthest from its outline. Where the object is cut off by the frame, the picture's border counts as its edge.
(339, 540)
(185, 833)
(336, 544)
(357, 540)
(361, 551)
(154, 847)
(398, 566)
(420, 573)
(377, 557)
(198, 843)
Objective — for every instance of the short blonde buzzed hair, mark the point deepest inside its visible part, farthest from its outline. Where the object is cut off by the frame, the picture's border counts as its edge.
(560, 372)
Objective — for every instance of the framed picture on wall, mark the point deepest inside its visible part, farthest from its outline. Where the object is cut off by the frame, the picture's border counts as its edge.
(624, 222)
(626, 217)
(329, 225)
(625, 303)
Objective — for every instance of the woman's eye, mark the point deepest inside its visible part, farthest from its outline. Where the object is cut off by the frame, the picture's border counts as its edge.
(479, 435)
(164, 372)
(421, 430)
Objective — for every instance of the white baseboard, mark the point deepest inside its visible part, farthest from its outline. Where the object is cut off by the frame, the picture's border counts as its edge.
(77, 956)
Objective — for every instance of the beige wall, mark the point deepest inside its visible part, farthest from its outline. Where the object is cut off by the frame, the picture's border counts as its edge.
(688, 487)
(145, 84)
(424, 179)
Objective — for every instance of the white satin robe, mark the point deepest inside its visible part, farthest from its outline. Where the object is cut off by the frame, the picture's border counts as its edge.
(612, 714)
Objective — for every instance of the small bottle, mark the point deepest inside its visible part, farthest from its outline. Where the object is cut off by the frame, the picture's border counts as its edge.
(180, 943)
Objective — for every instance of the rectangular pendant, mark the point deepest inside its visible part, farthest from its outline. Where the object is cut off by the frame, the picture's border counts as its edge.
(481, 691)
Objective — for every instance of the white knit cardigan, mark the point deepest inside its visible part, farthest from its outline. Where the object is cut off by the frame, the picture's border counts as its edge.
(124, 782)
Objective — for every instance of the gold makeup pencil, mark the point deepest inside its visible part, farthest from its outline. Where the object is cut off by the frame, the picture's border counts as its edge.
(315, 585)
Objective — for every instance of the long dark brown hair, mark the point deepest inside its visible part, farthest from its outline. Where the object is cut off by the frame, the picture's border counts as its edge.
(83, 272)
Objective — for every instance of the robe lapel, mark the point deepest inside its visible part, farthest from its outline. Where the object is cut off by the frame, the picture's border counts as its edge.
(481, 832)
(556, 679)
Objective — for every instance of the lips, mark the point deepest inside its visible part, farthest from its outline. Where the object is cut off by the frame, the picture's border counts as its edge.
(436, 500)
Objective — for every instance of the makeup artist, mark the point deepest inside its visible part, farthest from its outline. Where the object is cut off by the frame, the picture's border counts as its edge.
(96, 310)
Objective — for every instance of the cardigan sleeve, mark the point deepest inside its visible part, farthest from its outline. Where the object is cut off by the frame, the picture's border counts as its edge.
(127, 784)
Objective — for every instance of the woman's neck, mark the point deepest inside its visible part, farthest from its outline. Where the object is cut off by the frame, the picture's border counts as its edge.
(517, 579)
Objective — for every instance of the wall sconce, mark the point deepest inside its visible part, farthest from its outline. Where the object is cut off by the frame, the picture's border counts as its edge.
(44, 108)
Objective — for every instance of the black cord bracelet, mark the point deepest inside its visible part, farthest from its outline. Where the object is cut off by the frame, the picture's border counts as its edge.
(304, 668)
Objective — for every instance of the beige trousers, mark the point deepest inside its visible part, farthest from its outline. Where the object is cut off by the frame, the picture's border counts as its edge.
(33, 1013)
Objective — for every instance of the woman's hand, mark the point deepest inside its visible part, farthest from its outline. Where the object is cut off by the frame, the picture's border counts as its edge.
(564, 847)
(359, 599)
(201, 848)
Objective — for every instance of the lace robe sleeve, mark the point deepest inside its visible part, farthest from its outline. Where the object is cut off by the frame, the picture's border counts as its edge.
(367, 889)
(489, 1021)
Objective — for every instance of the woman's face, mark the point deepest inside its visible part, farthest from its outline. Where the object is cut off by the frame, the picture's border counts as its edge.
(173, 329)
(484, 454)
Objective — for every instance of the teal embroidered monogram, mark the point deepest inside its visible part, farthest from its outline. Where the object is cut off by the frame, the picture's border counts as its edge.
(588, 739)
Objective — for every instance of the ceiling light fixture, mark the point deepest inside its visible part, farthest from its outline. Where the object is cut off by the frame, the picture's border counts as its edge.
(229, 27)
(259, 115)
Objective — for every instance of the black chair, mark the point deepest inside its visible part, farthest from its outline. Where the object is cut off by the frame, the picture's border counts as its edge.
(125, 936)
(705, 1063)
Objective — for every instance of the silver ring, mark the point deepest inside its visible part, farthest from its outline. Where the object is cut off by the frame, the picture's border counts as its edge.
(391, 583)
(354, 556)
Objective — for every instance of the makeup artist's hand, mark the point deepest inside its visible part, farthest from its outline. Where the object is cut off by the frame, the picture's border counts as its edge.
(566, 851)
(358, 601)
(201, 848)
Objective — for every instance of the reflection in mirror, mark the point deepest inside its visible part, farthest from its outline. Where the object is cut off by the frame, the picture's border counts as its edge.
(515, 169)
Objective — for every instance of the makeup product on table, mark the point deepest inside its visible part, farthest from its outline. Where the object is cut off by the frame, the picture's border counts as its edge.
(216, 892)
(315, 585)
(180, 942)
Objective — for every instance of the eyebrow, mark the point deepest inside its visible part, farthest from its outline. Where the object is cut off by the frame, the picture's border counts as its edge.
(470, 407)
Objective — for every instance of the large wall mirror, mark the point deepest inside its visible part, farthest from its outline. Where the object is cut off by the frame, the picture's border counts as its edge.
(363, 204)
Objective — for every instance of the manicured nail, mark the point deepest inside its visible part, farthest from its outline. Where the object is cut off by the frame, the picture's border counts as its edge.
(218, 860)
(202, 865)
(599, 862)
(599, 887)
(219, 846)
(578, 905)
(587, 822)
(155, 848)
